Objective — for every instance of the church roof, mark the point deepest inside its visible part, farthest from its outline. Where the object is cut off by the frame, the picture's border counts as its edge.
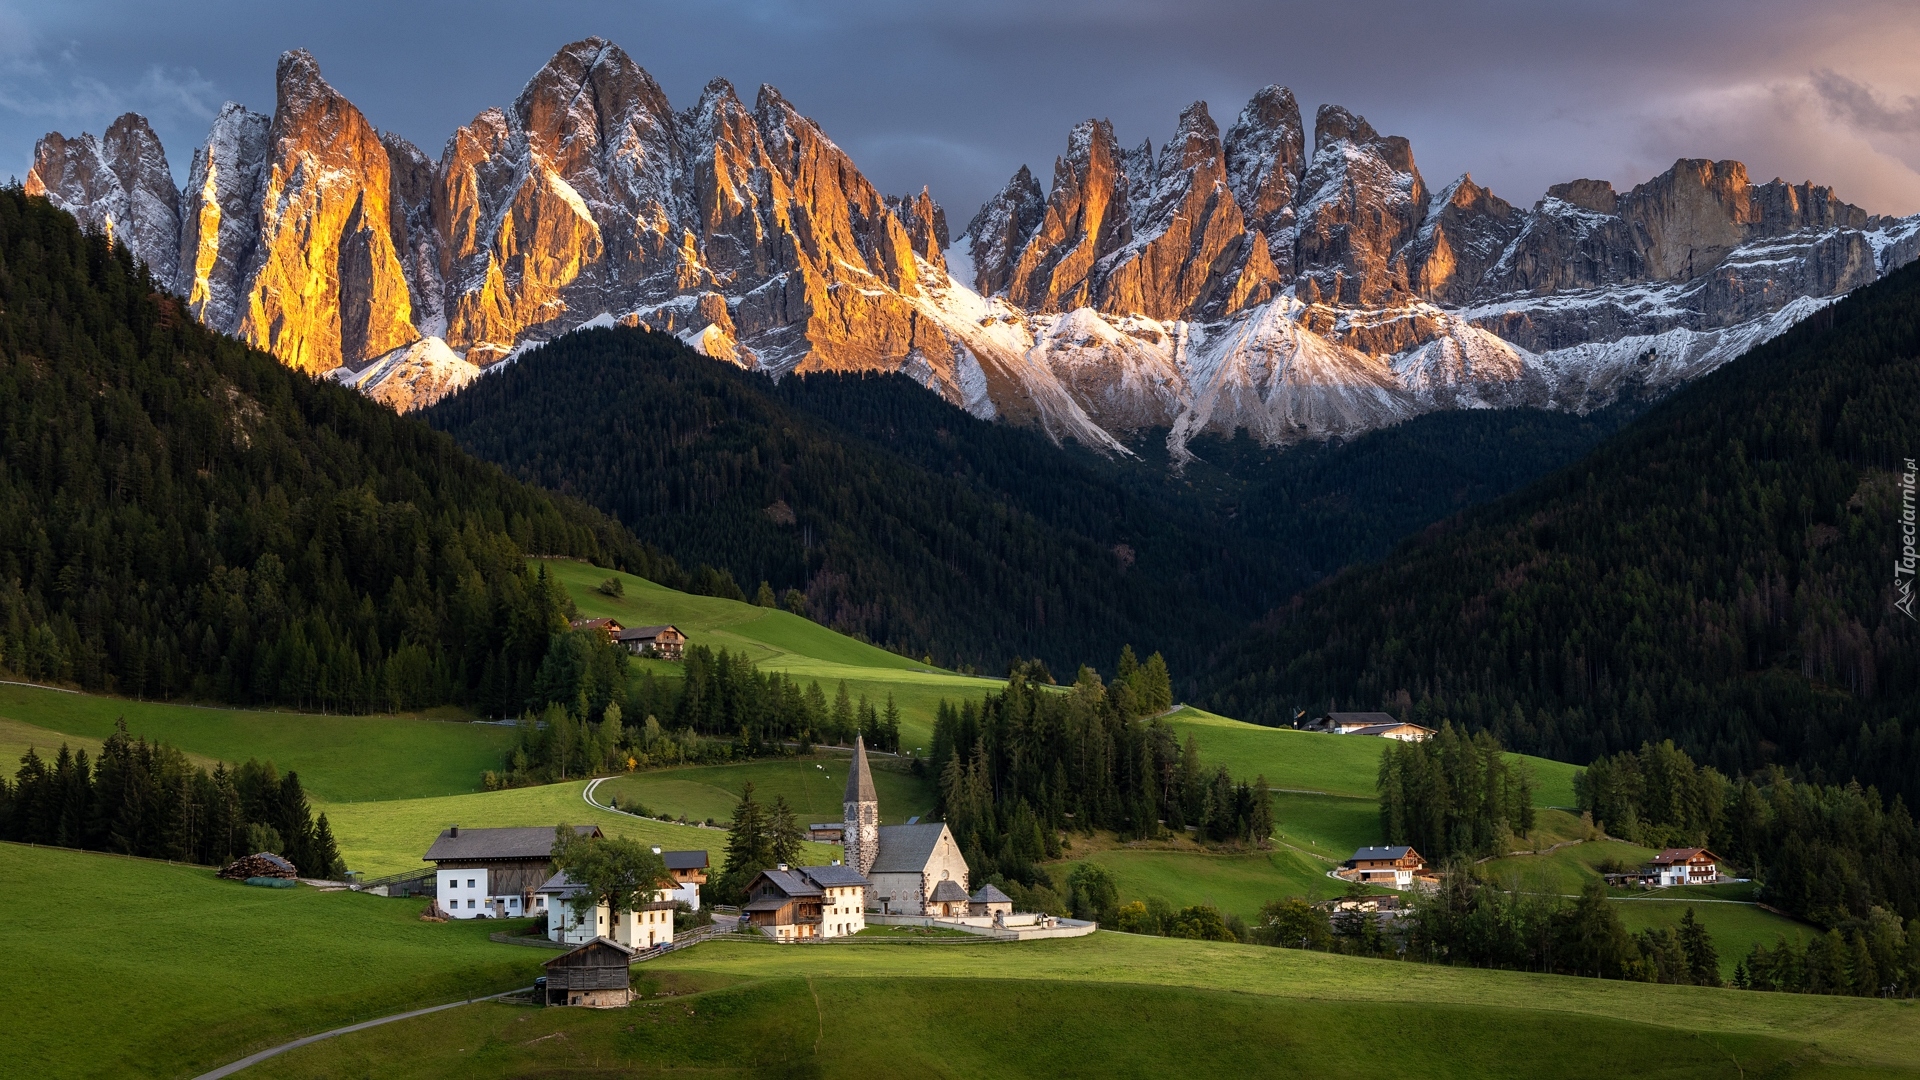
(990, 895)
(859, 780)
(905, 849)
(948, 891)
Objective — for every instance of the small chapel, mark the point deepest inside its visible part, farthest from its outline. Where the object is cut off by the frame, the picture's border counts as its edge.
(914, 869)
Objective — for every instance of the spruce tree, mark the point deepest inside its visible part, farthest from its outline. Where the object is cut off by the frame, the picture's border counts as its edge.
(749, 850)
(784, 835)
(1703, 962)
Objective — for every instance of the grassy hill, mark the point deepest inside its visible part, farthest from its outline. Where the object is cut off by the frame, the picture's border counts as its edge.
(339, 758)
(777, 641)
(1116, 1005)
(813, 786)
(125, 967)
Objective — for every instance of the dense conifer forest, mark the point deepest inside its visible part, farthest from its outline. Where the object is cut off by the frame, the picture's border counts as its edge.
(914, 525)
(182, 516)
(1722, 573)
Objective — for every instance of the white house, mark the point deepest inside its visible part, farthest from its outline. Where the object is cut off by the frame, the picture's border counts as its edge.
(493, 873)
(645, 928)
(1686, 866)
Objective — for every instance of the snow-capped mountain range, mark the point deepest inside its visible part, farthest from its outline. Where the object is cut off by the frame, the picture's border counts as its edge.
(1216, 283)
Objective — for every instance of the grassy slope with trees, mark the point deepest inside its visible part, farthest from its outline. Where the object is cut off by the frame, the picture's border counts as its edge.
(908, 522)
(1720, 573)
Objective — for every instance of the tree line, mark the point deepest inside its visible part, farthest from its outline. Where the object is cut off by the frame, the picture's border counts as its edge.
(1453, 795)
(1019, 767)
(1826, 853)
(147, 799)
(759, 837)
(1717, 574)
(587, 715)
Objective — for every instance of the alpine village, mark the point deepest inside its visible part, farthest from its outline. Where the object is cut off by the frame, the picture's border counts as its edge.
(621, 595)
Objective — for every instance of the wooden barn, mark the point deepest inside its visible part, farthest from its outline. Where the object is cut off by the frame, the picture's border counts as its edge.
(595, 976)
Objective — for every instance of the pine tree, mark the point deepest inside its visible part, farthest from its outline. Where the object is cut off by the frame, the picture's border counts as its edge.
(325, 853)
(890, 726)
(1261, 826)
(749, 849)
(1703, 962)
(784, 835)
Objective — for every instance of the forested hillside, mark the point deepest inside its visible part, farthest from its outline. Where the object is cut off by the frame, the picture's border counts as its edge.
(1721, 573)
(183, 516)
(917, 526)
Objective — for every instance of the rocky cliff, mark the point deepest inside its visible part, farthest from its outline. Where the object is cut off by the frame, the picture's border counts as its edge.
(1220, 281)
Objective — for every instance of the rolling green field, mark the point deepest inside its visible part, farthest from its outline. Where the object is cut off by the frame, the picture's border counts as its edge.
(1335, 764)
(1735, 927)
(125, 967)
(778, 641)
(813, 786)
(339, 758)
(1236, 884)
(995, 1028)
(389, 837)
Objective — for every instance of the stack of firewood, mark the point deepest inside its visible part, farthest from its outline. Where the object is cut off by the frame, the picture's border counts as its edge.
(264, 864)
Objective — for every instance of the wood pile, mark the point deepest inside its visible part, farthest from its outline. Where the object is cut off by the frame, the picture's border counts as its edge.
(264, 864)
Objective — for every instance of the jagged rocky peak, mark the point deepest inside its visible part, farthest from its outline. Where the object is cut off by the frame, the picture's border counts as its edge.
(119, 184)
(926, 225)
(325, 286)
(1466, 230)
(1187, 233)
(1000, 231)
(1266, 157)
(1086, 219)
(219, 217)
(1361, 200)
(603, 124)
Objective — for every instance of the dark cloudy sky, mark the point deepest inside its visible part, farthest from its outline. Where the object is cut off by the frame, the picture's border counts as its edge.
(1522, 93)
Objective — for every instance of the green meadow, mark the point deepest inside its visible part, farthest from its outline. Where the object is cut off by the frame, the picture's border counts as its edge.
(1334, 764)
(814, 786)
(339, 758)
(777, 641)
(389, 837)
(126, 967)
(1125, 1006)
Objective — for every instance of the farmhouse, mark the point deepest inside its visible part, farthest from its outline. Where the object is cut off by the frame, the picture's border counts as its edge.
(595, 975)
(808, 903)
(689, 870)
(661, 642)
(493, 873)
(1395, 867)
(1686, 866)
(1380, 724)
(645, 928)
(905, 864)
(611, 628)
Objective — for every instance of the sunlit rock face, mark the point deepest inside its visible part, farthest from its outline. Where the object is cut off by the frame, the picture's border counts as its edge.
(324, 285)
(118, 184)
(1219, 282)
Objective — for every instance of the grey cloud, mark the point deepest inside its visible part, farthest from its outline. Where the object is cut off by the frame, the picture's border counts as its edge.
(1862, 106)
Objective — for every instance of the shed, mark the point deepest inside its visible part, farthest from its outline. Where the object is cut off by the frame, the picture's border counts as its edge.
(989, 901)
(949, 898)
(594, 975)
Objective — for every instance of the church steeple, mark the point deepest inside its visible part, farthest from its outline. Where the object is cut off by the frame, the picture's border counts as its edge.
(861, 829)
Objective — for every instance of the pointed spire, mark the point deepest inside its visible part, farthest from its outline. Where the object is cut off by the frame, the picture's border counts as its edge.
(859, 780)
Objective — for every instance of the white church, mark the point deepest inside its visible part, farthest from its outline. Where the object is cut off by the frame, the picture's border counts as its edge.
(913, 869)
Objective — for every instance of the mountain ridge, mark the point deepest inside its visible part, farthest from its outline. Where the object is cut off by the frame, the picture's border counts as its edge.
(1226, 281)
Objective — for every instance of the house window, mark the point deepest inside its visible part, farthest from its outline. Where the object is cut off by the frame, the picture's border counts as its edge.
(469, 903)
(469, 883)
